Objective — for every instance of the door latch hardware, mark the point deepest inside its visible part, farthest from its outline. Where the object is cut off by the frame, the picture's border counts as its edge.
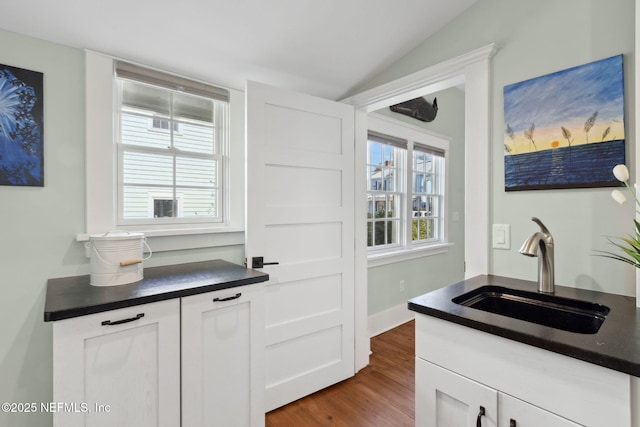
(258, 262)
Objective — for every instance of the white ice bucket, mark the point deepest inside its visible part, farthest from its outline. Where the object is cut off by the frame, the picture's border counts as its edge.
(116, 257)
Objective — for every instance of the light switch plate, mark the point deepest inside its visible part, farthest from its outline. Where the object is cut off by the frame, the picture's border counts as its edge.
(501, 236)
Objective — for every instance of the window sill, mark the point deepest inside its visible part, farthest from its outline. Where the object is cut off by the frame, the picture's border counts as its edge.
(172, 239)
(390, 257)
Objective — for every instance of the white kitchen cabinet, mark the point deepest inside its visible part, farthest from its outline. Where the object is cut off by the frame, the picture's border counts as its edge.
(184, 351)
(444, 399)
(514, 412)
(534, 387)
(223, 358)
(118, 368)
(198, 360)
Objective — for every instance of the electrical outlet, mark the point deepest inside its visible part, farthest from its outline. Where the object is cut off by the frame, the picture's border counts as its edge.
(401, 285)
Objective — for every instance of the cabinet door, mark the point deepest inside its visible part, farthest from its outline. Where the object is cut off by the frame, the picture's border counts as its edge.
(446, 399)
(222, 358)
(514, 412)
(118, 368)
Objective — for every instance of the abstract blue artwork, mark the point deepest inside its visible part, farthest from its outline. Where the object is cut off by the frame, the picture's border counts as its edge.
(565, 129)
(21, 127)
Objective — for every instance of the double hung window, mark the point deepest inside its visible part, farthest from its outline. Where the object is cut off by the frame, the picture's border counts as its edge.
(386, 165)
(171, 134)
(405, 190)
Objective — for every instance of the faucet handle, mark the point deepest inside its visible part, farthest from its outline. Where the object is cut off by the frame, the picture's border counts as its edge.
(543, 228)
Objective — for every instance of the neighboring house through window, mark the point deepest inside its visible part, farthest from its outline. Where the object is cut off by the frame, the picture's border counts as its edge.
(164, 156)
(188, 162)
(406, 188)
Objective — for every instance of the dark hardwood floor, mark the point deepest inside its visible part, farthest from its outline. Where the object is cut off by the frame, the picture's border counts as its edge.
(382, 394)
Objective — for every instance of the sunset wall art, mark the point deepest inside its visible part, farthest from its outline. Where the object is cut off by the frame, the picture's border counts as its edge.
(565, 129)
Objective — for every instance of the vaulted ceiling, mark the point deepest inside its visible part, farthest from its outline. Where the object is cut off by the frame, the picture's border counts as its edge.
(321, 47)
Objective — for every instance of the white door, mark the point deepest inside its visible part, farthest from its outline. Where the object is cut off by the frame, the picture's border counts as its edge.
(300, 214)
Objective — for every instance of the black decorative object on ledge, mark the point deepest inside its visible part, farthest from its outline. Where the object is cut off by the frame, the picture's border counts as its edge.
(418, 108)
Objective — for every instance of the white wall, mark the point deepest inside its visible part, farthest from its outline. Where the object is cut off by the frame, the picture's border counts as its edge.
(38, 226)
(533, 39)
(425, 274)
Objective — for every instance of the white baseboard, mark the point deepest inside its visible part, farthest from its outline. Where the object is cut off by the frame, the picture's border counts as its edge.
(389, 319)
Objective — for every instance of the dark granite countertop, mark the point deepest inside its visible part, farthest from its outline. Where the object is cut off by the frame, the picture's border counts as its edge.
(73, 296)
(615, 346)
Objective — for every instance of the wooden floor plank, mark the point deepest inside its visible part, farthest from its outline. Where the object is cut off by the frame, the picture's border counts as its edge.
(382, 394)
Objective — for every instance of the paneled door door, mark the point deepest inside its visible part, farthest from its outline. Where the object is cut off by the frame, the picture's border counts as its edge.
(300, 215)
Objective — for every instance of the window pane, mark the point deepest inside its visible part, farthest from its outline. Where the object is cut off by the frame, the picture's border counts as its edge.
(429, 184)
(380, 233)
(137, 129)
(375, 178)
(424, 228)
(194, 137)
(139, 201)
(432, 229)
(393, 232)
(419, 205)
(375, 151)
(419, 184)
(432, 207)
(393, 206)
(147, 168)
(199, 202)
(423, 162)
(385, 176)
(196, 172)
(386, 232)
(191, 107)
(425, 206)
(171, 151)
(380, 206)
(388, 179)
(420, 230)
(165, 208)
(139, 96)
(388, 154)
(424, 183)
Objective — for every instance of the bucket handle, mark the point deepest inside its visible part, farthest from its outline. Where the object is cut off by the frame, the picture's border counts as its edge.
(89, 245)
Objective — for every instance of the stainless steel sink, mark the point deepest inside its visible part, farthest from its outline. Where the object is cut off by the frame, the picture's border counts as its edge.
(548, 310)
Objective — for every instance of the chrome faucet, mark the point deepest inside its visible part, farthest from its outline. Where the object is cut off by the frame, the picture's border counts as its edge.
(543, 241)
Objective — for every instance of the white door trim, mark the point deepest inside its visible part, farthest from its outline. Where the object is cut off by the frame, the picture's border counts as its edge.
(473, 70)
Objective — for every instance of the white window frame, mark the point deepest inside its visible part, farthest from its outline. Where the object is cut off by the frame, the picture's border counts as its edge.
(221, 129)
(102, 161)
(398, 192)
(407, 248)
